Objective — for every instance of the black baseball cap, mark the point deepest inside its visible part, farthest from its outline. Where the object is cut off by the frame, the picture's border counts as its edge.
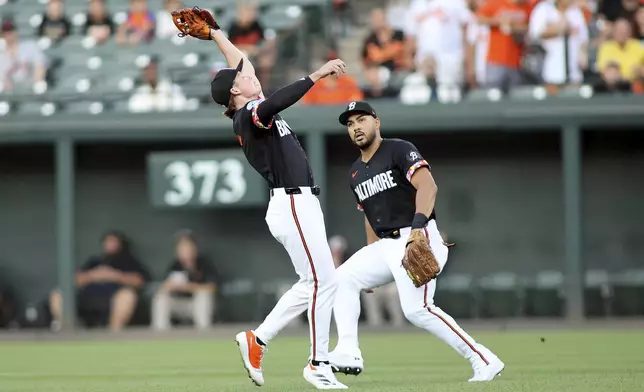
(356, 107)
(223, 82)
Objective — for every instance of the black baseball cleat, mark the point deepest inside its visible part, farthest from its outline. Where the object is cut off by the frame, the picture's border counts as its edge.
(350, 371)
(347, 364)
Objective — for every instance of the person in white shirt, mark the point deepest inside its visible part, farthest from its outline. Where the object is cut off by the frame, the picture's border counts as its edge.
(437, 33)
(552, 23)
(165, 27)
(156, 94)
(22, 63)
(478, 44)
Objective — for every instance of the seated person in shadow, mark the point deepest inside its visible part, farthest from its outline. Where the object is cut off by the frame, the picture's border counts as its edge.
(108, 286)
(188, 291)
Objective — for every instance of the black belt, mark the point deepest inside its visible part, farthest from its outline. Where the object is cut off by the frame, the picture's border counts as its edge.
(315, 190)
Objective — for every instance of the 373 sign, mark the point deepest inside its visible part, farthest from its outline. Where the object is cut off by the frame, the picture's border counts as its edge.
(204, 179)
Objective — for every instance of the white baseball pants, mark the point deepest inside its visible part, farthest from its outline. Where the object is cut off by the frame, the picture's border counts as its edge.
(297, 222)
(380, 263)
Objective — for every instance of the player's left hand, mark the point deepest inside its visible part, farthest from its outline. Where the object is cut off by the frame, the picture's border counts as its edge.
(335, 67)
(419, 260)
(194, 22)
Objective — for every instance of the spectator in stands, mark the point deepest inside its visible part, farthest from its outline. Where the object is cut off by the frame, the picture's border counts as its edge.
(338, 246)
(249, 36)
(551, 24)
(612, 81)
(612, 10)
(98, 24)
(383, 299)
(54, 25)
(624, 50)
(188, 289)
(154, 93)
(342, 19)
(334, 90)
(383, 54)
(436, 32)
(22, 63)
(165, 25)
(108, 286)
(508, 21)
(639, 21)
(139, 26)
(478, 43)
(397, 13)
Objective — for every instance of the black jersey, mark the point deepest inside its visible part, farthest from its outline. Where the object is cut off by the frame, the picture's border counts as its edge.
(272, 149)
(382, 186)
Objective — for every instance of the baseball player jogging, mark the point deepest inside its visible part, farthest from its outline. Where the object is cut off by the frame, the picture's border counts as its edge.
(294, 216)
(393, 185)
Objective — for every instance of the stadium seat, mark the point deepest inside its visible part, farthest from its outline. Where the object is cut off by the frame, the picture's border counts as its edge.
(238, 294)
(281, 17)
(121, 106)
(598, 293)
(75, 83)
(455, 294)
(119, 82)
(85, 107)
(575, 92)
(415, 90)
(500, 295)
(544, 294)
(6, 107)
(484, 95)
(528, 93)
(38, 108)
(628, 293)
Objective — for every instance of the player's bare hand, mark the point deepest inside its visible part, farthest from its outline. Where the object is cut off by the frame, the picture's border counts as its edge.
(334, 67)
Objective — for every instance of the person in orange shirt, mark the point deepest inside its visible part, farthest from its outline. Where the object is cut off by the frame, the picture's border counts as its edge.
(140, 25)
(508, 21)
(334, 90)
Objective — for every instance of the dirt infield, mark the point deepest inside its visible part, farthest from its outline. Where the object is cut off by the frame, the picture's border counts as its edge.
(224, 331)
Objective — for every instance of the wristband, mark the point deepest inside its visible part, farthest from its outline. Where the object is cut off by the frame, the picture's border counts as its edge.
(420, 221)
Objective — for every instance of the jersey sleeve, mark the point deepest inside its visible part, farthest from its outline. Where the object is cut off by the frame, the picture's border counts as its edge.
(408, 159)
(252, 107)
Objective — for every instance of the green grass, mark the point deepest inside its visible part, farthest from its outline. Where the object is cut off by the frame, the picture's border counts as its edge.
(610, 361)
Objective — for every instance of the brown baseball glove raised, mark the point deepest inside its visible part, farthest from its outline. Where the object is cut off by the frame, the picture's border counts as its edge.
(419, 260)
(194, 22)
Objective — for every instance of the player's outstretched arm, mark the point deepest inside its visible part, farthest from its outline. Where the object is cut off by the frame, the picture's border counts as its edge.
(231, 53)
(287, 96)
(201, 24)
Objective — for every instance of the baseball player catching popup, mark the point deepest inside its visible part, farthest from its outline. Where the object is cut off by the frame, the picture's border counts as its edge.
(294, 216)
(394, 187)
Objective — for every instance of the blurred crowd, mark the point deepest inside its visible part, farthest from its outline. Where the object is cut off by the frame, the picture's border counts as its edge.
(424, 50)
(24, 64)
(415, 50)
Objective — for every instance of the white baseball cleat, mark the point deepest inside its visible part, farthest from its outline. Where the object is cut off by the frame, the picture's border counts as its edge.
(252, 354)
(345, 363)
(487, 372)
(322, 377)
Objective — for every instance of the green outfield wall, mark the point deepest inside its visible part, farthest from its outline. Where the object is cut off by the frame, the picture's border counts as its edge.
(523, 186)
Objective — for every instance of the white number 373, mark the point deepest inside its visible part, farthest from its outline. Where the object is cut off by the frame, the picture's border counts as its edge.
(184, 182)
